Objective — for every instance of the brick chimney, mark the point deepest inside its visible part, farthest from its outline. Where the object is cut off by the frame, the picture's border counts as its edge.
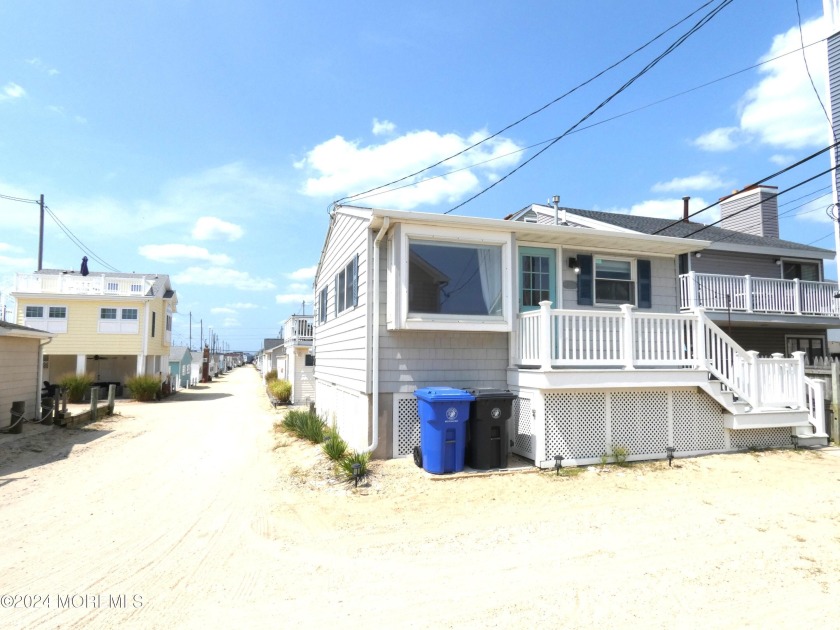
(753, 210)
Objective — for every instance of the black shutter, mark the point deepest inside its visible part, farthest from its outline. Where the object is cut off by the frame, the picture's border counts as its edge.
(356, 280)
(584, 281)
(643, 276)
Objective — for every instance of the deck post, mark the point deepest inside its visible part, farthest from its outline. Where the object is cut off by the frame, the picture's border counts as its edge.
(692, 290)
(700, 340)
(748, 293)
(799, 355)
(628, 347)
(797, 297)
(545, 335)
(754, 386)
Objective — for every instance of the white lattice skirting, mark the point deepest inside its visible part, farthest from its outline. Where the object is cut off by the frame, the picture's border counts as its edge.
(582, 426)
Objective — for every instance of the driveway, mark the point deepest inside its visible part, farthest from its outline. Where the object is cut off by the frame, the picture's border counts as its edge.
(192, 513)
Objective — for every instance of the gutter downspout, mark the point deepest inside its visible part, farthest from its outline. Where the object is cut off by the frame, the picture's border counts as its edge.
(41, 345)
(141, 367)
(375, 359)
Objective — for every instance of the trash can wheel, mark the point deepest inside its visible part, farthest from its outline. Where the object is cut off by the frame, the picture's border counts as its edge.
(418, 457)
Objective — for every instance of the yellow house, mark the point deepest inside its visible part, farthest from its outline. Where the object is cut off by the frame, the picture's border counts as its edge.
(110, 325)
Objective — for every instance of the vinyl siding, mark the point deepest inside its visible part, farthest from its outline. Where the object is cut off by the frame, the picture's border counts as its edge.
(18, 376)
(834, 86)
(82, 336)
(755, 212)
(664, 287)
(342, 341)
(736, 264)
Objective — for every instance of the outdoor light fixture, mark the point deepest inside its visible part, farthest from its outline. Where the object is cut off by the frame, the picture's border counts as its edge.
(670, 450)
(794, 439)
(356, 468)
(558, 463)
(697, 254)
(778, 261)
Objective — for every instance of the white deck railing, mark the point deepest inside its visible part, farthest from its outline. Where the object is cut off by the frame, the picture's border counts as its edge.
(551, 338)
(297, 329)
(747, 294)
(75, 284)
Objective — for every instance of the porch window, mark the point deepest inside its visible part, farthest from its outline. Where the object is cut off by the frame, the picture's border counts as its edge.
(614, 281)
(792, 269)
(812, 346)
(454, 278)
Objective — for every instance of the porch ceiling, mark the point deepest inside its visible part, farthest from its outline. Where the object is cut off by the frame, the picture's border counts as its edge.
(558, 235)
(771, 320)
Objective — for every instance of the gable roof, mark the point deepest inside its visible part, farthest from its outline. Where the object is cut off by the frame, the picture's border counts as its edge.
(720, 238)
(177, 353)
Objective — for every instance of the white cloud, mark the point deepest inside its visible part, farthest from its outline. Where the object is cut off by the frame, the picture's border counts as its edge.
(223, 310)
(701, 181)
(721, 139)
(292, 298)
(222, 277)
(339, 167)
(383, 127)
(177, 252)
(782, 109)
(10, 91)
(781, 160)
(305, 273)
(230, 322)
(6, 247)
(299, 287)
(207, 228)
(40, 65)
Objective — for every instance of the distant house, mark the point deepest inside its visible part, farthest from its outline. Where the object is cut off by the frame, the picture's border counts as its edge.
(269, 355)
(180, 366)
(584, 324)
(295, 359)
(110, 325)
(21, 360)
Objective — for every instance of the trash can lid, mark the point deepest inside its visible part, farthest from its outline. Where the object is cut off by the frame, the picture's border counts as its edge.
(443, 394)
(489, 392)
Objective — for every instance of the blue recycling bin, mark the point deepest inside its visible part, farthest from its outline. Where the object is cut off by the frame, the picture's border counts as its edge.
(444, 412)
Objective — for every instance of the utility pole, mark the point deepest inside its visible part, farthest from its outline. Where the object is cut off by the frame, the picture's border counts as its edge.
(41, 237)
(191, 332)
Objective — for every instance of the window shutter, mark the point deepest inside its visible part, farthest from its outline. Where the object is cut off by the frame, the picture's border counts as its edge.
(584, 281)
(643, 277)
(355, 284)
(335, 301)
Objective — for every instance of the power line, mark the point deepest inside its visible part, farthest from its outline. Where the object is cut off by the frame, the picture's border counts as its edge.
(365, 195)
(773, 196)
(753, 185)
(533, 113)
(77, 241)
(20, 199)
(679, 42)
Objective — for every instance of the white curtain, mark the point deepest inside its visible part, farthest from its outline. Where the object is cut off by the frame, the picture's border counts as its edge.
(490, 270)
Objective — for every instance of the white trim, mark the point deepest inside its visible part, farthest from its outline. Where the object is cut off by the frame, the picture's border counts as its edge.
(808, 261)
(398, 286)
(634, 289)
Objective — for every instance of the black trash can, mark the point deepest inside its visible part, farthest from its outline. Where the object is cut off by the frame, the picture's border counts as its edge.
(487, 442)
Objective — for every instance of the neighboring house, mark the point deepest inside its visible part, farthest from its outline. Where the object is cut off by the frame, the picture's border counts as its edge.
(266, 362)
(111, 325)
(21, 360)
(584, 325)
(180, 366)
(767, 293)
(296, 360)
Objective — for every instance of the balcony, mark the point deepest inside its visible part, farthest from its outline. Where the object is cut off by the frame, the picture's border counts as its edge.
(298, 330)
(73, 284)
(746, 294)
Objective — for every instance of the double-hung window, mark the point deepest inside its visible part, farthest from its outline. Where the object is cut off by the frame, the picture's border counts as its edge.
(118, 321)
(50, 318)
(614, 281)
(322, 305)
(347, 286)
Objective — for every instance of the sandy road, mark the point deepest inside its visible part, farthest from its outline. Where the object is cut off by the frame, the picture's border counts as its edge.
(184, 505)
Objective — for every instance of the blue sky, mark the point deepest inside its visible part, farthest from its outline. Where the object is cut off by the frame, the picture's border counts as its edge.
(206, 140)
